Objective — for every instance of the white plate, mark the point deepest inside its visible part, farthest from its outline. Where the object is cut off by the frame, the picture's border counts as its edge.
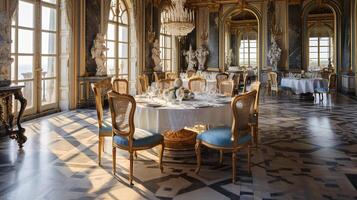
(153, 105)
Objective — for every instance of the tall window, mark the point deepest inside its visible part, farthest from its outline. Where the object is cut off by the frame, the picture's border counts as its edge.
(320, 51)
(248, 50)
(166, 51)
(117, 40)
(35, 51)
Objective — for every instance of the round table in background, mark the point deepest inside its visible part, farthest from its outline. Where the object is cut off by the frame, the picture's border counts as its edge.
(304, 85)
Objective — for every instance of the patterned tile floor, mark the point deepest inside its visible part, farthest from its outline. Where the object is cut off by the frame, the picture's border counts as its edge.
(308, 151)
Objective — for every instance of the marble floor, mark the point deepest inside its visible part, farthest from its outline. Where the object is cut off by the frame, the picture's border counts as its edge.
(308, 151)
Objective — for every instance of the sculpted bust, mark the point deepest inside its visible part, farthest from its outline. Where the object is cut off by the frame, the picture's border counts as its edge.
(190, 56)
(201, 55)
(156, 56)
(97, 52)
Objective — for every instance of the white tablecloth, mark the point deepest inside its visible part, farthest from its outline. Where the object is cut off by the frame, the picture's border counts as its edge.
(304, 85)
(176, 117)
(211, 83)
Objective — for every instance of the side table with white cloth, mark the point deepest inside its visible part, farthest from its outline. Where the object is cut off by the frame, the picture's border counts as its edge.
(304, 86)
(170, 119)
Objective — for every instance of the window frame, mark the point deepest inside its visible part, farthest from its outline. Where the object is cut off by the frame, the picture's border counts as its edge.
(319, 46)
(247, 61)
(163, 49)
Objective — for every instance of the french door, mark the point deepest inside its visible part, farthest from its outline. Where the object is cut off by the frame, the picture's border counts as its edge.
(35, 49)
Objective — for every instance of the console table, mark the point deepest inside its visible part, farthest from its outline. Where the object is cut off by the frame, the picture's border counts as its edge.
(6, 115)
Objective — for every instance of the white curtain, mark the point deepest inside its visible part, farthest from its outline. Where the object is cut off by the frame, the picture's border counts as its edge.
(12, 7)
(105, 15)
(69, 10)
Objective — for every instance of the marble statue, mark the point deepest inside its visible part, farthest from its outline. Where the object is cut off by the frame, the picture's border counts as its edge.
(274, 54)
(155, 51)
(5, 49)
(229, 58)
(190, 56)
(97, 51)
(201, 55)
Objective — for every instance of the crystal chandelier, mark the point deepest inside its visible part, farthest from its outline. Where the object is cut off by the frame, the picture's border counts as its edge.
(178, 20)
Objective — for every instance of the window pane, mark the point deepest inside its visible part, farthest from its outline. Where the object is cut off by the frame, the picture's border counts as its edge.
(313, 49)
(111, 51)
(323, 62)
(168, 54)
(123, 34)
(123, 50)
(50, 1)
(25, 70)
(13, 75)
(26, 14)
(111, 32)
(49, 19)
(48, 66)
(123, 66)
(324, 49)
(48, 43)
(111, 66)
(25, 41)
(13, 30)
(313, 55)
(313, 62)
(324, 55)
(48, 91)
(168, 42)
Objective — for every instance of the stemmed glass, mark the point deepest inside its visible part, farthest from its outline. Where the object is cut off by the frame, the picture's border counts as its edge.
(180, 95)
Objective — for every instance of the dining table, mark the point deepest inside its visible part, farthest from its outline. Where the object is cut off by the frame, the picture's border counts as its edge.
(304, 85)
(172, 118)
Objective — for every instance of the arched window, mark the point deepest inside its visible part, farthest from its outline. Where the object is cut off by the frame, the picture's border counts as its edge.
(320, 47)
(166, 51)
(117, 40)
(248, 49)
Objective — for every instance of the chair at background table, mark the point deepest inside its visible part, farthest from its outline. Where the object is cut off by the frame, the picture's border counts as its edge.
(125, 135)
(165, 84)
(273, 78)
(256, 86)
(121, 86)
(331, 89)
(171, 75)
(197, 84)
(233, 138)
(245, 82)
(226, 87)
(221, 77)
(143, 84)
(105, 129)
(190, 73)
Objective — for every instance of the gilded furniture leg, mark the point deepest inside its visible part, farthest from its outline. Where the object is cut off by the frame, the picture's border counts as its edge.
(114, 158)
(131, 168)
(103, 140)
(100, 151)
(161, 155)
(198, 155)
(136, 154)
(234, 157)
(220, 157)
(21, 138)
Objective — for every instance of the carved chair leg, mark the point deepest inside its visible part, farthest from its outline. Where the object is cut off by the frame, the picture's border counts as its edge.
(103, 140)
(198, 156)
(100, 151)
(234, 158)
(220, 157)
(114, 159)
(161, 155)
(131, 168)
(136, 154)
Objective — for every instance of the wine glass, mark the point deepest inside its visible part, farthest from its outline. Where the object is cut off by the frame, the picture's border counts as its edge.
(180, 95)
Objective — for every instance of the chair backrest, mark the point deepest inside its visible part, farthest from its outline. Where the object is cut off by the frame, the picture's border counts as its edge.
(273, 77)
(100, 90)
(165, 84)
(245, 80)
(143, 83)
(221, 77)
(121, 86)
(226, 87)
(197, 84)
(170, 75)
(332, 82)
(190, 73)
(256, 86)
(243, 110)
(122, 110)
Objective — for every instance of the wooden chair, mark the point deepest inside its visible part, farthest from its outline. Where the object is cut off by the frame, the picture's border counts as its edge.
(226, 87)
(165, 84)
(171, 75)
(245, 82)
(197, 84)
(125, 135)
(274, 87)
(190, 73)
(256, 86)
(143, 84)
(331, 89)
(121, 86)
(105, 129)
(236, 79)
(221, 77)
(233, 138)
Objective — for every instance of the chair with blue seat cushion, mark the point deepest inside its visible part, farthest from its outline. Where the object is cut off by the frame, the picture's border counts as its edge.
(331, 89)
(125, 135)
(100, 90)
(233, 138)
